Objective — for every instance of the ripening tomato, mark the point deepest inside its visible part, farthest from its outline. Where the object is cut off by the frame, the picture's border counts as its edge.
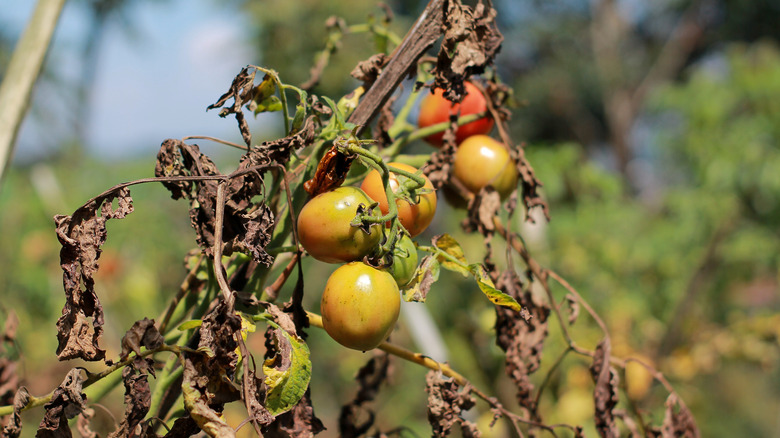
(325, 230)
(405, 260)
(414, 217)
(481, 161)
(360, 306)
(435, 108)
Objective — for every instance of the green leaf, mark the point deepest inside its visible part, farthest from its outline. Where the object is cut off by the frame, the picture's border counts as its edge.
(268, 105)
(191, 324)
(451, 247)
(427, 274)
(498, 297)
(287, 374)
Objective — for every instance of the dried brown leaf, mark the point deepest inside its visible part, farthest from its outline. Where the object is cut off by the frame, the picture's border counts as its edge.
(331, 172)
(299, 422)
(471, 42)
(82, 234)
(138, 399)
(446, 404)
(355, 418)
(143, 333)
(14, 427)
(83, 424)
(605, 394)
(67, 401)
(370, 69)
(247, 224)
(241, 93)
(521, 336)
(678, 420)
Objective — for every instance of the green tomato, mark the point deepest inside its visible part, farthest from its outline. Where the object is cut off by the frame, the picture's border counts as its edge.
(404, 260)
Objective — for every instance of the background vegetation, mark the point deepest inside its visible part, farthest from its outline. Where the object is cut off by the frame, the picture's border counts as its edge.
(655, 129)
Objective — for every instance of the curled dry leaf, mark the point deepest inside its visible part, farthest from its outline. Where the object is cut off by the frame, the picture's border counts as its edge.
(678, 420)
(355, 418)
(446, 404)
(437, 169)
(67, 401)
(370, 69)
(143, 333)
(298, 422)
(138, 398)
(82, 234)
(471, 42)
(605, 394)
(14, 427)
(247, 223)
(521, 336)
(331, 172)
(241, 93)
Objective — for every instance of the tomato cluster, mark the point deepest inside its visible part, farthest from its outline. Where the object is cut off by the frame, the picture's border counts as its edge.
(360, 303)
(479, 160)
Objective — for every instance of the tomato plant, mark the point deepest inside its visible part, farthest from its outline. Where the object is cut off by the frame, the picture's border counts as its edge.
(325, 226)
(414, 216)
(435, 108)
(360, 306)
(482, 161)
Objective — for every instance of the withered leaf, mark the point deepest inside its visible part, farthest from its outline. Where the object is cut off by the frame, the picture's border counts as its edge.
(299, 422)
(246, 224)
(678, 420)
(183, 427)
(331, 172)
(83, 424)
(426, 274)
(254, 398)
(241, 93)
(82, 234)
(521, 336)
(437, 169)
(368, 70)
(199, 399)
(138, 399)
(605, 394)
(355, 418)
(143, 333)
(67, 401)
(471, 42)
(446, 404)
(574, 308)
(14, 427)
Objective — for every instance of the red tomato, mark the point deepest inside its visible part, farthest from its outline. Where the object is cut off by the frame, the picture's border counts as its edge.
(436, 109)
(481, 161)
(325, 231)
(360, 306)
(414, 217)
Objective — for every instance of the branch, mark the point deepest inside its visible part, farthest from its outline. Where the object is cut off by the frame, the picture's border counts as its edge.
(22, 73)
(420, 37)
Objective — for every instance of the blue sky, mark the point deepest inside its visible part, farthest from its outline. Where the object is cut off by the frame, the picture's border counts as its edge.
(151, 84)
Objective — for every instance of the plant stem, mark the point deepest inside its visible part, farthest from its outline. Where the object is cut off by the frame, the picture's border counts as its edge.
(23, 70)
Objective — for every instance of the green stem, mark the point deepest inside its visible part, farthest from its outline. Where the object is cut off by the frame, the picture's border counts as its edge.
(402, 141)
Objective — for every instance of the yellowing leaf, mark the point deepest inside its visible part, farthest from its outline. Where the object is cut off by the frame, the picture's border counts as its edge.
(451, 247)
(486, 285)
(287, 374)
(427, 273)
